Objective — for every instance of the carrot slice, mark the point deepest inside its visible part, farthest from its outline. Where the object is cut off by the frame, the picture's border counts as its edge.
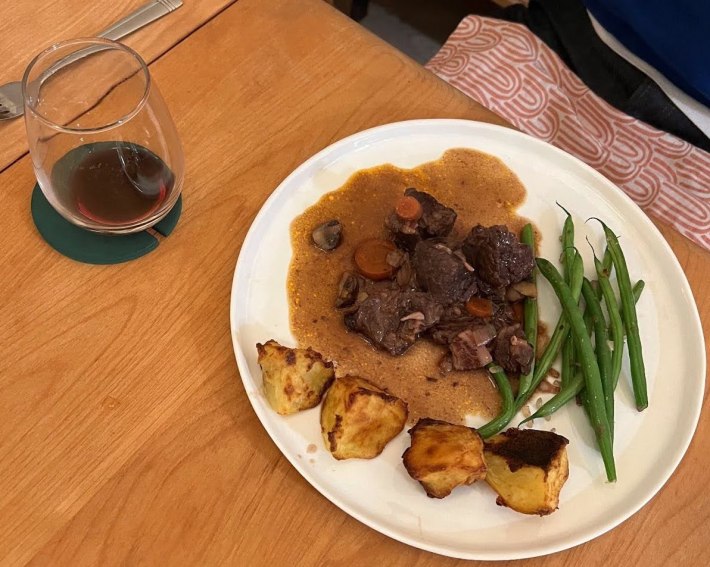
(479, 307)
(371, 258)
(408, 209)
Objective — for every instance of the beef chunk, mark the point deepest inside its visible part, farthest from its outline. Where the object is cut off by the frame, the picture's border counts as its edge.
(393, 319)
(405, 234)
(405, 241)
(498, 255)
(454, 311)
(512, 351)
(494, 293)
(441, 273)
(378, 318)
(502, 315)
(483, 334)
(445, 331)
(437, 219)
(466, 354)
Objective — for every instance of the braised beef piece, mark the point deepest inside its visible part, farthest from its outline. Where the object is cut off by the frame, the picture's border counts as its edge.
(413, 302)
(441, 273)
(455, 319)
(502, 315)
(445, 331)
(405, 233)
(393, 319)
(482, 334)
(512, 351)
(468, 339)
(498, 255)
(437, 219)
(401, 226)
(405, 241)
(494, 293)
(454, 311)
(468, 352)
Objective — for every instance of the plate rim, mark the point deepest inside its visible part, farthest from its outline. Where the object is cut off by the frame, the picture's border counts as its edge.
(300, 466)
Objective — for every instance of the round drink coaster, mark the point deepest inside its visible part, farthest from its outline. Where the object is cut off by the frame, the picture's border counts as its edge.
(92, 247)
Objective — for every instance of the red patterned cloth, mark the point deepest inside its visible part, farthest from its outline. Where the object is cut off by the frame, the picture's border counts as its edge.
(508, 69)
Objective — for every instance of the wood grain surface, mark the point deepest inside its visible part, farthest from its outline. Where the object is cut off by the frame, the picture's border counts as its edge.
(26, 28)
(126, 437)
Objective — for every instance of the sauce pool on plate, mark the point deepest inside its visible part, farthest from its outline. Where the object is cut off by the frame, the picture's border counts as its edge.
(482, 190)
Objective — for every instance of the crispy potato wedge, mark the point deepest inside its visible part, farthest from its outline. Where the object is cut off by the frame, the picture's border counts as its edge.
(358, 419)
(443, 456)
(527, 468)
(294, 378)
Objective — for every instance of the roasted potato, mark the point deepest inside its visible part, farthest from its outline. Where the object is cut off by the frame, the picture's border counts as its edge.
(527, 468)
(358, 419)
(294, 378)
(443, 456)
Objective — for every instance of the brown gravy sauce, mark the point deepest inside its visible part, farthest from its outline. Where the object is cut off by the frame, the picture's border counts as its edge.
(481, 189)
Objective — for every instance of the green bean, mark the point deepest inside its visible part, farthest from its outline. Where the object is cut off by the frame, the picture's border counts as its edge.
(567, 365)
(507, 412)
(589, 327)
(568, 250)
(628, 313)
(637, 290)
(576, 384)
(607, 261)
(601, 347)
(568, 253)
(553, 346)
(567, 393)
(530, 313)
(606, 265)
(589, 323)
(588, 362)
(616, 326)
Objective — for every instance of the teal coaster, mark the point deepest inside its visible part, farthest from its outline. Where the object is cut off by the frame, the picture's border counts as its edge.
(91, 247)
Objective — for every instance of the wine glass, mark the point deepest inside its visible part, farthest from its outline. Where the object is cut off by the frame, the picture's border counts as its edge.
(104, 148)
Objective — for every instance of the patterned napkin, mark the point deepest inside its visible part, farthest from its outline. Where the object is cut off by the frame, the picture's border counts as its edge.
(508, 69)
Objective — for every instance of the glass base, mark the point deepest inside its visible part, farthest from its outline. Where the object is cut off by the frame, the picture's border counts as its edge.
(92, 247)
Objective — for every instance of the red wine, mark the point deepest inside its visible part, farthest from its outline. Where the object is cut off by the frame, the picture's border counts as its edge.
(112, 182)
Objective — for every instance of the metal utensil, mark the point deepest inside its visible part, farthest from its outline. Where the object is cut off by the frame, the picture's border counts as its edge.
(11, 104)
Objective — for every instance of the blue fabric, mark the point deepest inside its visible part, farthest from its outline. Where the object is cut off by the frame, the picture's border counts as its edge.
(671, 35)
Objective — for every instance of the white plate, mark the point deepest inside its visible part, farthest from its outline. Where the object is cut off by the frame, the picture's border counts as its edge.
(468, 524)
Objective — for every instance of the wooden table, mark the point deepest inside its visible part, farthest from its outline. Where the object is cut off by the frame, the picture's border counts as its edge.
(126, 437)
